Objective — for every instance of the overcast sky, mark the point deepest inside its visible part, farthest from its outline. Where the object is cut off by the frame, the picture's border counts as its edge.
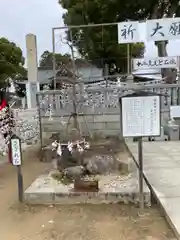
(20, 17)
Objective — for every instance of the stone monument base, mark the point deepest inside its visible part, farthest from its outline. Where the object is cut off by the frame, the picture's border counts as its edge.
(112, 189)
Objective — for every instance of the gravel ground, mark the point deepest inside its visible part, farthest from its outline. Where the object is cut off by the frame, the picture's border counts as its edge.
(102, 222)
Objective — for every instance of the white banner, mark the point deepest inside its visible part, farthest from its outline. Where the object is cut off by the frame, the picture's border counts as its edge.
(128, 32)
(159, 62)
(163, 29)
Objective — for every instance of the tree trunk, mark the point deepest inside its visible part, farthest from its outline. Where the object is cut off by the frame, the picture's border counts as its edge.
(167, 73)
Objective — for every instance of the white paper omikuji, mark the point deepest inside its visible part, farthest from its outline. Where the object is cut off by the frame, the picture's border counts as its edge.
(70, 146)
(59, 150)
(25, 128)
(80, 149)
(86, 145)
(55, 144)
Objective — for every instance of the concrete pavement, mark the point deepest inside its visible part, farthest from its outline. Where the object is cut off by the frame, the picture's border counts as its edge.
(162, 171)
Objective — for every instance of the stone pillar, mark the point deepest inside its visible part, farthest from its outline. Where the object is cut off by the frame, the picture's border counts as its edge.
(23, 101)
(32, 63)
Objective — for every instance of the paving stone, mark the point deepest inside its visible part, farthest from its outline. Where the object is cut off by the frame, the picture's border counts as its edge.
(162, 170)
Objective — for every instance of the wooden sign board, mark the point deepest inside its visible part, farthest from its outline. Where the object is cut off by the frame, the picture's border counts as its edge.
(141, 116)
(154, 63)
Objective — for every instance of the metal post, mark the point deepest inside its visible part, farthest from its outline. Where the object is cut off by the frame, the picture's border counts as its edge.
(121, 129)
(54, 57)
(140, 158)
(20, 184)
(178, 81)
(86, 25)
(128, 58)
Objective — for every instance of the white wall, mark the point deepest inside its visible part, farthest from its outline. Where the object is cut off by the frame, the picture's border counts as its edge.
(90, 73)
(85, 72)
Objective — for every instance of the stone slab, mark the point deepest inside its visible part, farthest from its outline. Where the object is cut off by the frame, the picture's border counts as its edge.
(166, 192)
(113, 189)
(162, 171)
(171, 207)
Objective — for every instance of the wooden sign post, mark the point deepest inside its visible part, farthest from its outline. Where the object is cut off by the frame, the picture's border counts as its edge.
(16, 155)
